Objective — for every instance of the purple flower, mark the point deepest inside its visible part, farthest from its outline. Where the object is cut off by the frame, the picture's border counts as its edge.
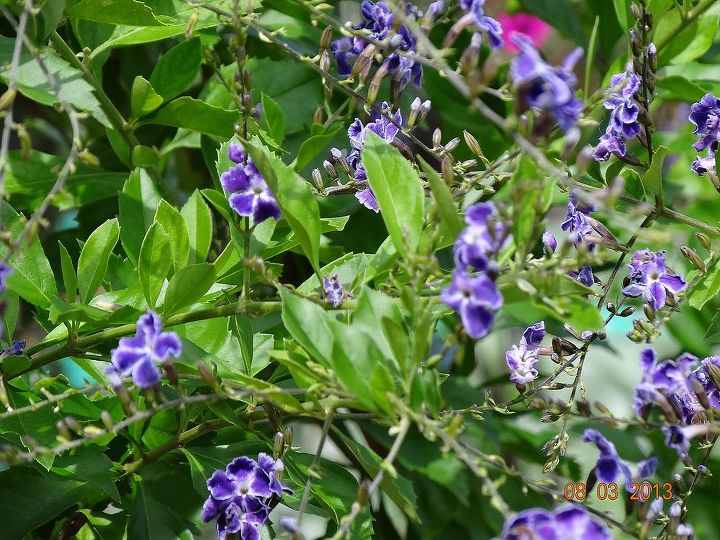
(703, 165)
(577, 222)
(379, 23)
(481, 239)
(566, 522)
(485, 24)
(140, 356)
(249, 193)
(240, 495)
(550, 242)
(334, 291)
(623, 123)
(5, 271)
(382, 125)
(521, 358)
(705, 116)
(16, 348)
(543, 87)
(584, 276)
(669, 379)
(678, 437)
(475, 299)
(609, 466)
(709, 376)
(650, 279)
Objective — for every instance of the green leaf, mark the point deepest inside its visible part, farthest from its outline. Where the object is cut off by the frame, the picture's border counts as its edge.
(187, 286)
(681, 88)
(173, 223)
(312, 146)
(198, 219)
(622, 10)
(274, 118)
(194, 114)
(707, 288)
(68, 272)
(144, 156)
(590, 56)
(177, 68)
(93, 260)
(143, 98)
(154, 263)
(29, 499)
(150, 519)
(561, 14)
(652, 179)
(32, 277)
(633, 184)
(138, 202)
(89, 465)
(295, 197)
(451, 224)
(398, 190)
(126, 12)
(316, 338)
(33, 83)
(62, 311)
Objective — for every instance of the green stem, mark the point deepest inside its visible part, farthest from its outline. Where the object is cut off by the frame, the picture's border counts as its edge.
(690, 16)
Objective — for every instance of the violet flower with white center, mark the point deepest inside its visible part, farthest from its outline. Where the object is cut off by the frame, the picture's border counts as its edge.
(140, 356)
(475, 298)
(565, 522)
(241, 495)
(335, 293)
(387, 129)
(249, 194)
(521, 358)
(482, 239)
(651, 279)
(548, 89)
(669, 379)
(623, 123)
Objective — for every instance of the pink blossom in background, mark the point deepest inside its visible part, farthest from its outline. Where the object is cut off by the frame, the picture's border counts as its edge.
(530, 25)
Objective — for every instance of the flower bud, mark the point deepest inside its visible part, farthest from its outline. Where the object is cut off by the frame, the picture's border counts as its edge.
(447, 170)
(549, 242)
(7, 98)
(652, 57)
(414, 112)
(317, 179)
(278, 445)
(635, 42)
(107, 421)
(694, 258)
(190, 26)
(325, 38)
(704, 240)
(452, 145)
(472, 144)
(437, 138)
(330, 169)
(636, 11)
(627, 311)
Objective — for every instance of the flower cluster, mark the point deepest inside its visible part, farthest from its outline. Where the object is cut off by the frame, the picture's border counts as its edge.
(476, 18)
(521, 358)
(623, 123)
(650, 279)
(705, 116)
(387, 126)
(242, 495)
(550, 90)
(141, 355)
(473, 293)
(684, 389)
(610, 466)
(578, 223)
(566, 522)
(380, 26)
(249, 194)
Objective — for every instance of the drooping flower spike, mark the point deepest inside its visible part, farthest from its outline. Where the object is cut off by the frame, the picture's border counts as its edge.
(623, 123)
(705, 116)
(141, 355)
(249, 194)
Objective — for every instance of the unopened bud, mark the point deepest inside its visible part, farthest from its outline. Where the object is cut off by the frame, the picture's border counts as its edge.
(107, 421)
(452, 145)
(206, 374)
(447, 170)
(288, 435)
(652, 57)
(704, 240)
(278, 445)
(627, 311)
(318, 116)
(472, 144)
(7, 98)
(330, 169)
(694, 258)
(63, 430)
(437, 138)
(635, 43)
(636, 11)
(363, 493)
(317, 179)
(325, 38)
(190, 26)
